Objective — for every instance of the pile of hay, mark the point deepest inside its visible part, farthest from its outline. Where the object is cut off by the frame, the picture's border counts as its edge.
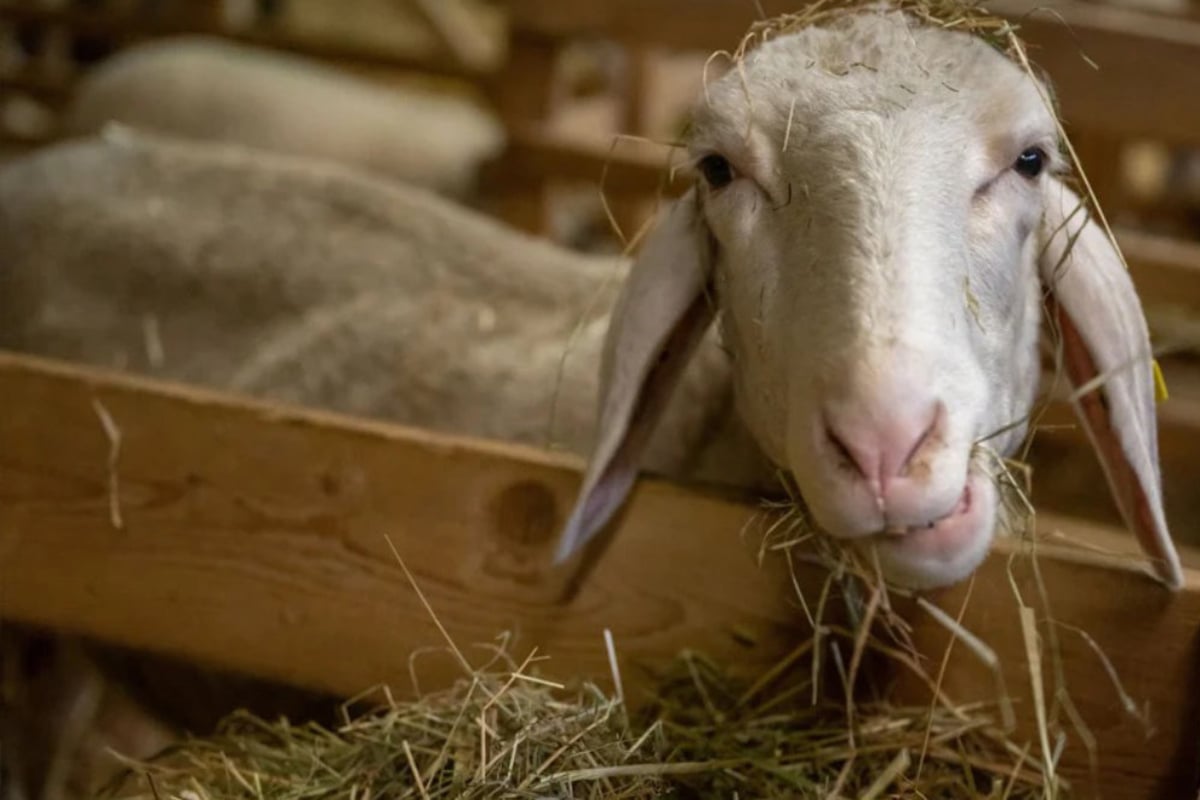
(504, 731)
(509, 734)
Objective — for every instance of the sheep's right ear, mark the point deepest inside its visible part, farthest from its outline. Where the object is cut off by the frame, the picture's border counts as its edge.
(661, 315)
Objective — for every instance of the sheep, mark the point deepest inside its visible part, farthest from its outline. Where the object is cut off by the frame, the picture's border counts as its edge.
(878, 217)
(307, 283)
(209, 89)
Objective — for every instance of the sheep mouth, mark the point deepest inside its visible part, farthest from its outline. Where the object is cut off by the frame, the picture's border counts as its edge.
(945, 536)
(963, 506)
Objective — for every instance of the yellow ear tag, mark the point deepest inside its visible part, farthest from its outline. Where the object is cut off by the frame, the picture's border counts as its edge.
(1160, 383)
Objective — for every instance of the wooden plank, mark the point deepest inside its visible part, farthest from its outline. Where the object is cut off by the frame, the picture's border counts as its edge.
(677, 24)
(1166, 271)
(252, 537)
(618, 166)
(459, 32)
(525, 92)
(1149, 64)
(314, 495)
(124, 28)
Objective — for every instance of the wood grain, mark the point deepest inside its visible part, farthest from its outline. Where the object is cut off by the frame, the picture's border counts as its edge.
(253, 538)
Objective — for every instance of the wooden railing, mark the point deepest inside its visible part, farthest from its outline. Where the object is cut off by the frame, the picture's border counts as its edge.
(255, 537)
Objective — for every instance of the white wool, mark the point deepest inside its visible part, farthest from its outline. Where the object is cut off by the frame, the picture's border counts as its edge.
(210, 89)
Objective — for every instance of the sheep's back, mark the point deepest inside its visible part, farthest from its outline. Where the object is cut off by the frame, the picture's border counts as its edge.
(300, 282)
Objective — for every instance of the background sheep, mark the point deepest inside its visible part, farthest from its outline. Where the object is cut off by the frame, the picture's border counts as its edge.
(305, 283)
(215, 90)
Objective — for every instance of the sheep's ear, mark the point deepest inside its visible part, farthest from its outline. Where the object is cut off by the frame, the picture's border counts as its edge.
(1107, 357)
(659, 318)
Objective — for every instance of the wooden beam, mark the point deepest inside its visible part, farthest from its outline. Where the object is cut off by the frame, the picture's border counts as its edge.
(216, 489)
(1149, 64)
(621, 167)
(677, 24)
(459, 33)
(1166, 271)
(525, 92)
(127, 27)
(252, 536)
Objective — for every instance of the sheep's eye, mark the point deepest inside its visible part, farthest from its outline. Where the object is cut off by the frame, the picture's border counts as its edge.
(1031, 162)
(717, 171)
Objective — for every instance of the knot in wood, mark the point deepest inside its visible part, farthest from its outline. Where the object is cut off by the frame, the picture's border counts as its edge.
(526, 514)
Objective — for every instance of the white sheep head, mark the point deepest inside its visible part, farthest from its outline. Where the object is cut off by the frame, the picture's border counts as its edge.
(878, 222)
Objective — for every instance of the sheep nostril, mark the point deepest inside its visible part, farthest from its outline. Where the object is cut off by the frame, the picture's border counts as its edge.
(881, 446)
(924, 438)
(843, 452)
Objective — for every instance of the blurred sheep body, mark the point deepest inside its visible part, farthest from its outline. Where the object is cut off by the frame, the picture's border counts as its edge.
(210, 89)
(307, 283)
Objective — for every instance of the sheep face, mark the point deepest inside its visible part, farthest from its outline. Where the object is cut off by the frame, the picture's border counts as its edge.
(873, 220)
(876, 226)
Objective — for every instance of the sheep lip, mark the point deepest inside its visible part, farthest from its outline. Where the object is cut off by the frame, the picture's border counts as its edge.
(943, 536)
(963, 506)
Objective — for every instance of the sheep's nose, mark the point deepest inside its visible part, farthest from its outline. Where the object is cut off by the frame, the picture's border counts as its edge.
(882, 440)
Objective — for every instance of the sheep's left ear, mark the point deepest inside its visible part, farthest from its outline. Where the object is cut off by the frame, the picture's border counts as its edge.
(661, 315)
(1107, 357)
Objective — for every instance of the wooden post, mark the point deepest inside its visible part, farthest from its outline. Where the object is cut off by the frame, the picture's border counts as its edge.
(630, 210)
(524, 92)
(1100, 157)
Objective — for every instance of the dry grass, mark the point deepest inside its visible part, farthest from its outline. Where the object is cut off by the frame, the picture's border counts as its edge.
(956, 15)
(506, 733)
